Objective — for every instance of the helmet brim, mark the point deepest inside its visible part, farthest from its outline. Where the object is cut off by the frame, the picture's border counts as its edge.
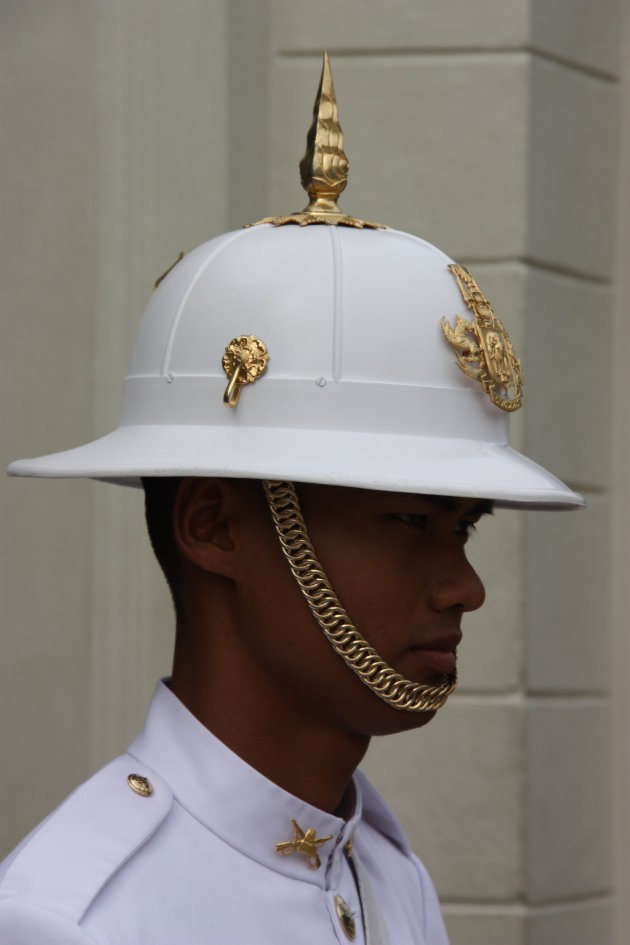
(389, 462)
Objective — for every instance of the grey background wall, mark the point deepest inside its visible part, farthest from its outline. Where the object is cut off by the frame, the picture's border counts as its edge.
(497, 130)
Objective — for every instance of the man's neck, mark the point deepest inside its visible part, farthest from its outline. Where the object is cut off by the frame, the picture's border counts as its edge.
(306, 757)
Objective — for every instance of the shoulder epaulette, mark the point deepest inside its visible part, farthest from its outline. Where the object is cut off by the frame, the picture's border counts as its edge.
(66, 863)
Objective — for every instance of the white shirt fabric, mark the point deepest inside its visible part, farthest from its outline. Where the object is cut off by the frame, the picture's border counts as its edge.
(196, 862)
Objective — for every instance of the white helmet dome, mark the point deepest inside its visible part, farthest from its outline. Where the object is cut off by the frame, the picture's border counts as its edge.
(361, 388)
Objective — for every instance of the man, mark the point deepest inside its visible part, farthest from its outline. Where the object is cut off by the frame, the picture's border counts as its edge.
(318, 430)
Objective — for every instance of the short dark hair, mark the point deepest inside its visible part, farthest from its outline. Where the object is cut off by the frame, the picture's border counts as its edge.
(160, 494)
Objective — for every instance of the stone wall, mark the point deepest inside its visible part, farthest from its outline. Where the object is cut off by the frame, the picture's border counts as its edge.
(134, 130)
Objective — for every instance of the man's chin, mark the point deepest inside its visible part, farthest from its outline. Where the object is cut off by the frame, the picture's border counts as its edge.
(401, 720)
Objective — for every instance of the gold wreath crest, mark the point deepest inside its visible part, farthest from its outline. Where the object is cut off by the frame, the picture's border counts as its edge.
(484, 351)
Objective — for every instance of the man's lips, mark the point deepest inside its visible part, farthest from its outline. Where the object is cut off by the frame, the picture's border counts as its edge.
(438, 654)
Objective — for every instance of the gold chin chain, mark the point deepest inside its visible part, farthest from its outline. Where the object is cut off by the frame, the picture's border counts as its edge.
(345, 639)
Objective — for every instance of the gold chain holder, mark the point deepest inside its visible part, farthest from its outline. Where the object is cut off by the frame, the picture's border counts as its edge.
(244, 361)
(326, 608)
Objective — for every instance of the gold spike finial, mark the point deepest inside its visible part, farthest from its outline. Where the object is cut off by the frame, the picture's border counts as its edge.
(324, 167)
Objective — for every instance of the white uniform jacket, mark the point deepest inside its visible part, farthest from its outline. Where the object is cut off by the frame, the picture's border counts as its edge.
(195, 861)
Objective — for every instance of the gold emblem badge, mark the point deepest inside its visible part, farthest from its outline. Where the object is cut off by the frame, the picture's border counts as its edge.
(159, 279)
(306, 843)
(483, 348)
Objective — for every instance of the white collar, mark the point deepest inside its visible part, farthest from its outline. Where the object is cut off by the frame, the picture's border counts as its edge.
(232, 799)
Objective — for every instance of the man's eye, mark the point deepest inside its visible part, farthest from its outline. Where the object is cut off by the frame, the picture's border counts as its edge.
(409, 518)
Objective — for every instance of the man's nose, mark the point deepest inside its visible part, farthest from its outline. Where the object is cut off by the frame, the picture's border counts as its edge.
(459, 586)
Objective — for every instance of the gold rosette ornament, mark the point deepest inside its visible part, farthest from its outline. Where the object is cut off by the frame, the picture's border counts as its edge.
(244, 361)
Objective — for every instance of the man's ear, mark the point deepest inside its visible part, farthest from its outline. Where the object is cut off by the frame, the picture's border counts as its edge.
(202, 523)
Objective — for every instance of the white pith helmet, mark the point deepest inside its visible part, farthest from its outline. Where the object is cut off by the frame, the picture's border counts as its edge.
(365, 384)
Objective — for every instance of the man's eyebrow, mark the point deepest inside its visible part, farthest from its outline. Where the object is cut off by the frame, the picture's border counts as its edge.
(451, 504)
(484, 507)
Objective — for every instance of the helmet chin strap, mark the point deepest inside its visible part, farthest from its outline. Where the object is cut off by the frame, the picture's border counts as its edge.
(326, 608)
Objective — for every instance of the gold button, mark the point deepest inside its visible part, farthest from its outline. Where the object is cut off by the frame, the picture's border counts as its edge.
(346, 919)
(140, 785)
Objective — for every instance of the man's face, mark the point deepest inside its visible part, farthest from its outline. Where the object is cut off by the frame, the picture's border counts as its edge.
(398, 565)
